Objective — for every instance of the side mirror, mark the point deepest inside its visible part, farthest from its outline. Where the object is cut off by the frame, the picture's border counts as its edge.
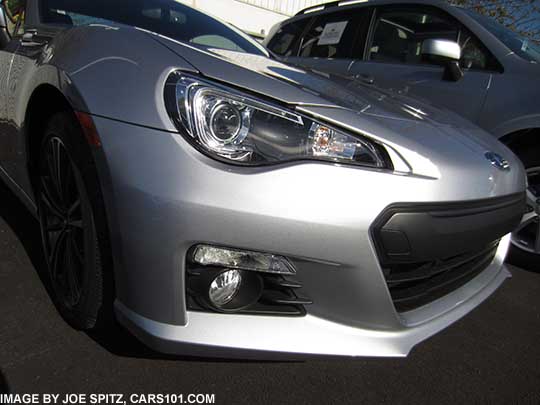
(446, 53)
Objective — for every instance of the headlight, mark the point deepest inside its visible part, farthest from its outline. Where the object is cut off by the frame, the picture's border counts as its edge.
(240, 129)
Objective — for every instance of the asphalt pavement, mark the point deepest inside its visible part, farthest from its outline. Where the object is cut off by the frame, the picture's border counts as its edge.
(490, 356)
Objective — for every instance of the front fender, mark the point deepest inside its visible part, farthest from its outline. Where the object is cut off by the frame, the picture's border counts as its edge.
(120, 74)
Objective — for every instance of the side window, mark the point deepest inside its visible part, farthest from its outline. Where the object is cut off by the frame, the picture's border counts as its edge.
(15, 13)
(284, 41)
(399, 34)
(335, 35)
(474, 54)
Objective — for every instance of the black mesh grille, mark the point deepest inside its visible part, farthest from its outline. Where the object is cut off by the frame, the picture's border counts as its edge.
(428, 250)
(413, 285)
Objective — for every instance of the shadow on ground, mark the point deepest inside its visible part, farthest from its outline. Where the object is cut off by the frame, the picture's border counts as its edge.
(4, 388)
(26, 228)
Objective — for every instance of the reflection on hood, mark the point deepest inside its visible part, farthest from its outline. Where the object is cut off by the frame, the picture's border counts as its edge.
(343, 91)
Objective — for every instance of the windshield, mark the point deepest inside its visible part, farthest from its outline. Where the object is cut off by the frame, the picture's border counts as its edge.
(165, 17)
(523, 47)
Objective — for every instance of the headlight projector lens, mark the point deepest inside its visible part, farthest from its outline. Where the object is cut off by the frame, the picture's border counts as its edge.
(224, 287)
(225, 122)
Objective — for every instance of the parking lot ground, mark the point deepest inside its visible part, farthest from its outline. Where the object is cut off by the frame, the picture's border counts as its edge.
(492, 355)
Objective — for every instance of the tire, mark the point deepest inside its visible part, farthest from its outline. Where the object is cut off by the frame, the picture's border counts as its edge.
(525, 248)
(73, 226)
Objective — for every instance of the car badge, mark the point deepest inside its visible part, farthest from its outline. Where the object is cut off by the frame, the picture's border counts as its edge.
(498, 161)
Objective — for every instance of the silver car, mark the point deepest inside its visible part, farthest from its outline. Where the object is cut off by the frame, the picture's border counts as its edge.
(213, 198)
(447, 55)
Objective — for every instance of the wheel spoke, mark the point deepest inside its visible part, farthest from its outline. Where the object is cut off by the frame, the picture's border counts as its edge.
(61, 213)
(70, 196)
(57, 164)
(55, 254)
(74, 207)
(72, 279)
(77, 224)
(527, 218)
(52, 168)
(537, 243)
(527, 235)
(50, 202)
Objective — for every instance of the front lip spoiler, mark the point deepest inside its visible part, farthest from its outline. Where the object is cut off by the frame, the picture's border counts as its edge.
(259, 337)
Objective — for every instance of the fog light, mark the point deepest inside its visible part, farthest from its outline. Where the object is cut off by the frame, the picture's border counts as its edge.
(241, 259)
(225, 287)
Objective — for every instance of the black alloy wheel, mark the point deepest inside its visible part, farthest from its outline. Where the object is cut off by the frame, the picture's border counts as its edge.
(527, 236)
(73, 225)
(64, 219)
(525, 248)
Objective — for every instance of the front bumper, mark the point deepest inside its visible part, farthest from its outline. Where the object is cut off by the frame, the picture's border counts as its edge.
(163, 197)
(259, 337)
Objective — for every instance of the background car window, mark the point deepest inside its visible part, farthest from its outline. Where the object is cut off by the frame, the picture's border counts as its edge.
(15, 13)
(524, 47)
(335, 35)
(287, 37)
(473, 53)
(399, 34)
(165, 17)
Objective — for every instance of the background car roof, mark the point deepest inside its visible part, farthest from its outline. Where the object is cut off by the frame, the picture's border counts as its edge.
(363, 3)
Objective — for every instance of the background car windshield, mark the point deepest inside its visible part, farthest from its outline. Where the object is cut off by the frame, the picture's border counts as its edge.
(165, 17)
(523, 47)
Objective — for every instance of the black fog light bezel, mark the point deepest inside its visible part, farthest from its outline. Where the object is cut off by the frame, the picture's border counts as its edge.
(260, 292)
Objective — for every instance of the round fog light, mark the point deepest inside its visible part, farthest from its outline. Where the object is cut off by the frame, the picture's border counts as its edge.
(224, 287)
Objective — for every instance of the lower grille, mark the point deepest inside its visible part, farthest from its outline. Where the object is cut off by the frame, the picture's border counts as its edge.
(413, 285)
(429, 250)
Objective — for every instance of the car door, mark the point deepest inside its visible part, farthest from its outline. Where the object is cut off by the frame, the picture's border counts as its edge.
(13, 15)
(326, 42)
(25, 48)
(394, 59)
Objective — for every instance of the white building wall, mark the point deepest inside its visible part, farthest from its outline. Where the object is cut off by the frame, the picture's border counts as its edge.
(252, 16)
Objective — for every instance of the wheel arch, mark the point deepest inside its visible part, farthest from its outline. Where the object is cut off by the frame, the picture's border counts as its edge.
(522, 138)
(45, 100)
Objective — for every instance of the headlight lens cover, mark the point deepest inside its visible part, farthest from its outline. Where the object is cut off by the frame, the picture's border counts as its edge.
(243, 130)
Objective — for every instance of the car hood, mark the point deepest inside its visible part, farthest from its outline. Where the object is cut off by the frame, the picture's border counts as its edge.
(300, 86)
(434, 142)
